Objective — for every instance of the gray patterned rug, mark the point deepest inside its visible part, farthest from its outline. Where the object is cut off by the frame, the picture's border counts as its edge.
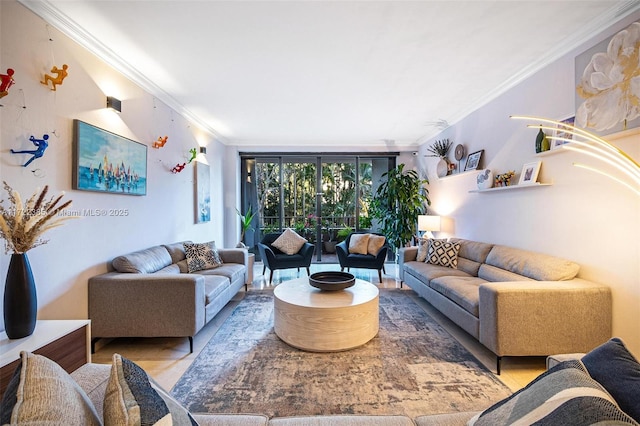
(412, 367)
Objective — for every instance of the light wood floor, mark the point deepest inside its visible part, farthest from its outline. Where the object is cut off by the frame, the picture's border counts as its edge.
(166, 359)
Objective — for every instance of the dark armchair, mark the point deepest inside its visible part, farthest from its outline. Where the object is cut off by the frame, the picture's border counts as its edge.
(359, 260)
(275, 259)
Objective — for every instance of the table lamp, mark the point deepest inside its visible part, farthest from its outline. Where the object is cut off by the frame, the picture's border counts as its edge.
(427, 224)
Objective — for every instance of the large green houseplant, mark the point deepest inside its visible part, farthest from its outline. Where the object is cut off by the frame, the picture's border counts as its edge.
(398, 202)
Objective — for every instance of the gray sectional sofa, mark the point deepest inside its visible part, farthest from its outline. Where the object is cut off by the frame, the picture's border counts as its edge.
(150, 293)
(515, 302)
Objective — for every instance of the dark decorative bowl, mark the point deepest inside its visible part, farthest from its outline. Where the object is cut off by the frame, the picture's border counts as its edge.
(332, 280)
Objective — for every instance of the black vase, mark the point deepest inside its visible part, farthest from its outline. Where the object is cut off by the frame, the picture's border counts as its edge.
(20, 298)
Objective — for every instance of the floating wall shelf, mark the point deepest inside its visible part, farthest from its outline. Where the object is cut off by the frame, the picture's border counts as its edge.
(512, 187)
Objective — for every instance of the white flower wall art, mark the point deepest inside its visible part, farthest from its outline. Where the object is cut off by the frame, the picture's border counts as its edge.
(608, 83)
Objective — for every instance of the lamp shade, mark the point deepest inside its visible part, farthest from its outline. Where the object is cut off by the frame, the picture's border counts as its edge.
(428, 223)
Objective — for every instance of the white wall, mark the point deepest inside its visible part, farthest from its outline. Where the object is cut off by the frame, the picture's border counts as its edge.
(583, 217)
(83, 247)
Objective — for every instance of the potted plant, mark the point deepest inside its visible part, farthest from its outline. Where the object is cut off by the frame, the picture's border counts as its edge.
(245, 224)
(397, 204)
(441, 149)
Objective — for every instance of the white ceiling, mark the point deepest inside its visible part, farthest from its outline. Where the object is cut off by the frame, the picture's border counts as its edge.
(356, 73)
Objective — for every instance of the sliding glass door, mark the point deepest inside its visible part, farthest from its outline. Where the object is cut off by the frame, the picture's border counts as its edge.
(319, 196)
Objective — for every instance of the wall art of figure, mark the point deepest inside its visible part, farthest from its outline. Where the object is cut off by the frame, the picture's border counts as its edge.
(40, 144)
(6, 81)
(61, 74)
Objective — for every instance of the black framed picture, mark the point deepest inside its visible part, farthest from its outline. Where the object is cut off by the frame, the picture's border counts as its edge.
(106, 162)
(473, 160)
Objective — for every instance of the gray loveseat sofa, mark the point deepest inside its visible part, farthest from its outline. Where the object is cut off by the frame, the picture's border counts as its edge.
(150, 293)
(515, 302)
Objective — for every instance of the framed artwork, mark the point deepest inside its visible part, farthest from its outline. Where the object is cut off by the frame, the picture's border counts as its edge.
(605, 99)
(473, 160)
(529, 174)
(203, 193)
(560, 133)
(106, 162)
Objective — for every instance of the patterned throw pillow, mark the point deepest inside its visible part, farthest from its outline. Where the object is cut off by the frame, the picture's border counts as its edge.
(42, 393)
(423, 249)
(202, 256)
(289, 242)
(359, 243)
(375, 244)
(443, 253)
(132, 399)
(563, 395)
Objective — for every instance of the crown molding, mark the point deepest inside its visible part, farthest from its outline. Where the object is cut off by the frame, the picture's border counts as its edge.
(589, 31)
(52, 15)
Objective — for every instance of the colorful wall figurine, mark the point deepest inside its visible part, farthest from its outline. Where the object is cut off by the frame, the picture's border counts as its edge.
(6, 81)
(193, 152)
(178, 168)
(41, 146)
(61, 74)
(160, 142)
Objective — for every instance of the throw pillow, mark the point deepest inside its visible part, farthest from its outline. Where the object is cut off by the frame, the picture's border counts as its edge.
(359, 243)
(40, 392)
(615, 368)
(132, 399)
(563, 395)
(289, 242)
(423, 248)
(202, 256)
(375, 244)
(443, 253)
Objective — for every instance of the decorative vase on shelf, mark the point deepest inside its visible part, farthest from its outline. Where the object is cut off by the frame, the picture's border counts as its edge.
(539, 141)
(485, 179)
(442, 168)
(20, 298)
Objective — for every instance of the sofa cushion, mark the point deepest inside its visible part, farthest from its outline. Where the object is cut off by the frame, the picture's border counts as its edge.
(615, 368)
(473, 250)
(174, 268)
(471, 255)
(176, 251)
(289, 242)
(359, 243)
(375, 244)
(130, 399)
(540, 267)
(425, 272)
(443, 253)
(564, 395)
(202, 256)
(232, 271)
(145, 261)
(423, 249)
(343, 420)
(93, 379)
(464, 291)
(494, 274)
(40, 392)
(214, 285)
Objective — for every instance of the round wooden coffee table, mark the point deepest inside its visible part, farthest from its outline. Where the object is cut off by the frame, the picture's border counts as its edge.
(325, 321)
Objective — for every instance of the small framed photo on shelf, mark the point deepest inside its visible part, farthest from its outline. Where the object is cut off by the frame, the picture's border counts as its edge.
(529, 174)
(562, 133)
(473, 160)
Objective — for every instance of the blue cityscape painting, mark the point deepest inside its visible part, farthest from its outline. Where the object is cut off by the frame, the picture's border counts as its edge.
(106, 162)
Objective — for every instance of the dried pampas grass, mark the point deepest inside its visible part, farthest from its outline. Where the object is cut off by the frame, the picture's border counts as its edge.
(22, 226)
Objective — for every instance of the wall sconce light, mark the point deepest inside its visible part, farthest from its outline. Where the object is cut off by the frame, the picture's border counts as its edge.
(114, 104)
(249, 176)
(202, 156)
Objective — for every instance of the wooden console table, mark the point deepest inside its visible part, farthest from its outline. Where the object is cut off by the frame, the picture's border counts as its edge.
(67, 342)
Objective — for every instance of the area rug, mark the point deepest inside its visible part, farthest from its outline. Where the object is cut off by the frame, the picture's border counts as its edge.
(412, 367)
